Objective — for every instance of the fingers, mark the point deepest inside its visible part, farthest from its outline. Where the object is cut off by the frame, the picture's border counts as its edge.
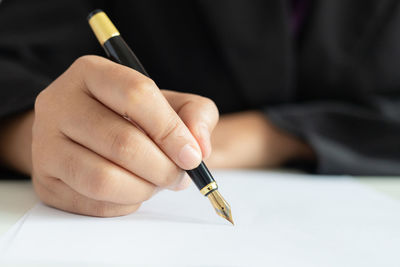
(108, 134)
(104, 164)
(91, 175)
(200, 115)
(135, 96)
(56, 193)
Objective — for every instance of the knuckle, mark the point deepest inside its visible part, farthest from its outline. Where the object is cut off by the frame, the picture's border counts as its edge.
(140, 89)
(100, 184)
(79, 63)
(122, 143)
(210, 105)
(115, 70)
(83, 61)
(171, 127)
(145, 85)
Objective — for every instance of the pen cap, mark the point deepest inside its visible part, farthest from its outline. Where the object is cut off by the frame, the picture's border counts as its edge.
(102, 26)
(112, 42)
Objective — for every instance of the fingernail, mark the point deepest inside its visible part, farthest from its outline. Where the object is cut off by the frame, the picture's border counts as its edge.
(189, 157)
(184, 183)
(205, 140)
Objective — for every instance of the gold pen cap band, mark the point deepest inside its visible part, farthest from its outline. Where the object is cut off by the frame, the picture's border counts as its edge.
(208, 188)
(102, 26)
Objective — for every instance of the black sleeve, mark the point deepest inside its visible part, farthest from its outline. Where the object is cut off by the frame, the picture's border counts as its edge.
(20, 86)
(351, 137)
(347, 138)
(39, 40)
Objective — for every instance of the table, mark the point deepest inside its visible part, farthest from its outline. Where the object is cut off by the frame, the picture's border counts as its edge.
(17, 197)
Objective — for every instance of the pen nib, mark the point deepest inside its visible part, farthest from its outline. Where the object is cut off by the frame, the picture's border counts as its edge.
(220, 205)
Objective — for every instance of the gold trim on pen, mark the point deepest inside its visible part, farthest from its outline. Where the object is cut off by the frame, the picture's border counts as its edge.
(208, 188)
(102, 27)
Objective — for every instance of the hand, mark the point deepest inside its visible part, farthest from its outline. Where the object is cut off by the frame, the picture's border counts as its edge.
(105, 138)
(249, 140)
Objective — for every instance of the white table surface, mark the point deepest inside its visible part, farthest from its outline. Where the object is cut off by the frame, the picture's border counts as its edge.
(17, 197)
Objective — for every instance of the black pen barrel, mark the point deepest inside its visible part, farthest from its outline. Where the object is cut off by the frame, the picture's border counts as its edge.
(118, 51)
(202, 178)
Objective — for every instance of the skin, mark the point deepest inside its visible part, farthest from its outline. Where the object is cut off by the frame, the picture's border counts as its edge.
(249, 140)
(92, 141)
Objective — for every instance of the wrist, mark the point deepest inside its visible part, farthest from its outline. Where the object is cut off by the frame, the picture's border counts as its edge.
(289, 147)
(15, 142)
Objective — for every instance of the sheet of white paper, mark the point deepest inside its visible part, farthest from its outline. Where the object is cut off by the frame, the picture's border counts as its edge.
(281, 220)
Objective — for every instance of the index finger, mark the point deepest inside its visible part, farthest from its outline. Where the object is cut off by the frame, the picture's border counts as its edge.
(199, 114)
(137, 97)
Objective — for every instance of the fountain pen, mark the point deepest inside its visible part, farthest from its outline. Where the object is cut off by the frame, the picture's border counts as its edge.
(118, 51)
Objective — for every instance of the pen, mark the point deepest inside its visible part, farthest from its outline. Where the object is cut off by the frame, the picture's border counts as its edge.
(118, 51)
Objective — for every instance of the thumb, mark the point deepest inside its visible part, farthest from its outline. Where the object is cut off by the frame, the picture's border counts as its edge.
(200, 114)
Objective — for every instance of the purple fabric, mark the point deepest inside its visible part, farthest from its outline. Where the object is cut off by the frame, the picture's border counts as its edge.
(298, 14)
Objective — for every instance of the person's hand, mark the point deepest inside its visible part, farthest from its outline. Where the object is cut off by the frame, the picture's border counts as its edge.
(249, 140)
(105, 138)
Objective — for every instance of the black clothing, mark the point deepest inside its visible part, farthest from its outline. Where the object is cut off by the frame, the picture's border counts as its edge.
(336, 85)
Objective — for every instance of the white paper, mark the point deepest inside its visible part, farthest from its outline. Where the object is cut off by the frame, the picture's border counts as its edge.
(281, 220)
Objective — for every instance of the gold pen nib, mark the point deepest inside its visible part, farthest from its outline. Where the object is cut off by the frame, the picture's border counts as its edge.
(220, 205)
